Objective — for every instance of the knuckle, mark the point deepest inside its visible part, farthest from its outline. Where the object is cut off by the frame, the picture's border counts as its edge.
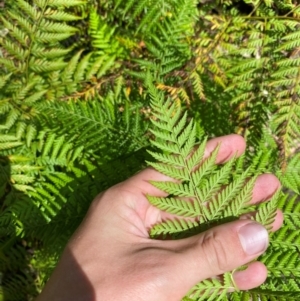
(215, 252)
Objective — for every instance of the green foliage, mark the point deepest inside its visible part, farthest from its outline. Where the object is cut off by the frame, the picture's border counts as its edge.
(76, 102)
(205, 194)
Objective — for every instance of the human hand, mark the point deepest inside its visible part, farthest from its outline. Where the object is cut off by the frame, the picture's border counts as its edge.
(111, 257)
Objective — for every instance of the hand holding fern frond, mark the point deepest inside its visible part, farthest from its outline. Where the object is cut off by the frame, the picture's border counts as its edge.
(112, 257)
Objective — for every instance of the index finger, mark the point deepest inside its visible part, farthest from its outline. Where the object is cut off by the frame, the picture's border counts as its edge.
(230, 145)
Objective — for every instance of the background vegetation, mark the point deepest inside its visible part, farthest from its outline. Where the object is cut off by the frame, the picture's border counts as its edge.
(75, 112)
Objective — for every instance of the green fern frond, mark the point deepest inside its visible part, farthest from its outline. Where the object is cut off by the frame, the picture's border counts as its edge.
(103, 39)
(182, 163)
(63, 3)
(286, 239)
(240, 204)
(213, 289)
(202, 190)
(290, 176)
(171, 227)
(175, 206)
(57, 27)
(28, 9)
(31, 57)
(266, 213)
(219, 202)
(58, 15)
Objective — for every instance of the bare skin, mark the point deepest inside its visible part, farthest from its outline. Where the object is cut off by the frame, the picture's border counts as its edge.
(112, 258)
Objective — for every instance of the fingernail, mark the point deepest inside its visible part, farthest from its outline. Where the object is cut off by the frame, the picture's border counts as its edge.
(254, 238)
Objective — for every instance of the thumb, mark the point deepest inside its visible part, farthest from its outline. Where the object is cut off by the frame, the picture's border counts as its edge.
(219, 250)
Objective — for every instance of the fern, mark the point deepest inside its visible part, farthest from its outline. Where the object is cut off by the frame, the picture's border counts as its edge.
(199, 193)
(30, 56)
(75, 114)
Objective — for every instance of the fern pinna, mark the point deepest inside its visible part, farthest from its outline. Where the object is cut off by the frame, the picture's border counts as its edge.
(203, 194)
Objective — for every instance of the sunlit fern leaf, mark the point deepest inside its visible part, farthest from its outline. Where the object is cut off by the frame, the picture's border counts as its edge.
(64, 3)
(287, 120)
(198, 84)
(155, 11)
(267, 212)
(7, 138)
(173, 188)
(240, 204)
(173, 172)
(198, 173)
(201, 190)
(29, 9)
(172, 227)
(51, 26)
(51, 38)
(215, 182)
(15, 50)
(67, 74)
(222, 200)
(105, 45)
(4, 80)
(291, 208)
(32, 56)
(30, 134)
(290, 176)
(129, 5)
(57, 146)
(197, 155)
(11, 118)
(110, 62)
(35, 97)
(212, 289)
(58, 15)
(286, 238)
(175, 206)
(48, 144)
(95, 66)
(282, 264)
(79, 74)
